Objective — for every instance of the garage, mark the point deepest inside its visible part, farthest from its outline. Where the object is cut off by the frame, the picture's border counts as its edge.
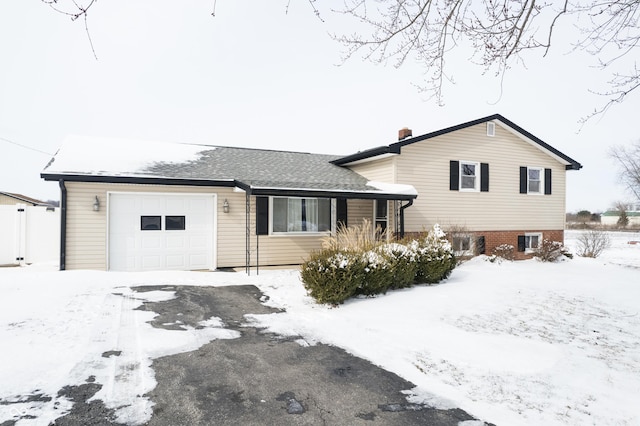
(151, 231)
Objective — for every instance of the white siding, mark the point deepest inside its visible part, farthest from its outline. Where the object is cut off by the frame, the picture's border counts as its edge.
(378, 170)
(87, 230)
(425, 165)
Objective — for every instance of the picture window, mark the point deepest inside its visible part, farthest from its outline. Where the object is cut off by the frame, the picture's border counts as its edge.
(300, 215)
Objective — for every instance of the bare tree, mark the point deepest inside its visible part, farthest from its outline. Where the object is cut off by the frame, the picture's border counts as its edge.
(592, 243)
(498, 31)
(628, 160)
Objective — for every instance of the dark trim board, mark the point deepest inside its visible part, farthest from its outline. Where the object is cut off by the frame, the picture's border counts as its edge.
(284, 192)
(396, 148)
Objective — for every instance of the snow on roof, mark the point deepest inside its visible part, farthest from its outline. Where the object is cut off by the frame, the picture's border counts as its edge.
(107, 156)
(393, 188)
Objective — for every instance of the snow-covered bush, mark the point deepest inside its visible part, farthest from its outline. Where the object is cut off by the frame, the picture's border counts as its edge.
(551, 251)
(402, 264)
(502, 252)
(332, 275)
(434, 257)
(378, 277)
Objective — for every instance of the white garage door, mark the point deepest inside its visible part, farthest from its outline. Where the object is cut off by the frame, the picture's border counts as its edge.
(161, 231)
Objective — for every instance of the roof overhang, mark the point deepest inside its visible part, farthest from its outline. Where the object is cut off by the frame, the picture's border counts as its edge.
(388, 193)
(395, 148)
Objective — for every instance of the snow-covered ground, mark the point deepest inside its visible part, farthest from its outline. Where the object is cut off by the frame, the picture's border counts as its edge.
(511, 343)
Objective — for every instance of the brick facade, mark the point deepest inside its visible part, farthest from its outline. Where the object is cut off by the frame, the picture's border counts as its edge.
(492, 239)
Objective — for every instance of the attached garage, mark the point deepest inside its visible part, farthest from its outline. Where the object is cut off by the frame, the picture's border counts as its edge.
(167, 206)
(151, 231)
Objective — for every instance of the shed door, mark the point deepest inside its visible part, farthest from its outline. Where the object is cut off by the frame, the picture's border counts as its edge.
(161, 231)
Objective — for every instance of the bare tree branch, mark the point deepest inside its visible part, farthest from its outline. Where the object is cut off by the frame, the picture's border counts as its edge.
(628, 160)
(499, 31)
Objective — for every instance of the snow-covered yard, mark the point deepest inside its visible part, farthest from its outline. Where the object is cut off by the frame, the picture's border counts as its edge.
(511, 343)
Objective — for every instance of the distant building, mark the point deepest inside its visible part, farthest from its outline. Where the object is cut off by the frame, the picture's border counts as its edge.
(611, 217)
(10, 199)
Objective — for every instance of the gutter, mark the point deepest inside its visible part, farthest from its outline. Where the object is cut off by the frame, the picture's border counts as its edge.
(402, 208)
(63, 224)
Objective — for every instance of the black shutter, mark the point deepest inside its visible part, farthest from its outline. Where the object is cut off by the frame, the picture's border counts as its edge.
(484, 177)
(547, 181)
(480, 246)
(262, 215)
(523, 180)
(341, 212)
(521, 246)
(454, 175)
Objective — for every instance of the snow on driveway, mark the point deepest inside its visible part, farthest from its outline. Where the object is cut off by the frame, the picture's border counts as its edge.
(511, 343)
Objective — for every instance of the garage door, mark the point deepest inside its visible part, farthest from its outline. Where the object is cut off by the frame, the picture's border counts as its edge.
(161, 231)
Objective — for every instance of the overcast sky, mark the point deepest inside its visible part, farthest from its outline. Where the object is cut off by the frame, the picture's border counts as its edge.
(256, 76)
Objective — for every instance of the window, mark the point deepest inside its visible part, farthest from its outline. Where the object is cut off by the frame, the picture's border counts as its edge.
(381, 215)
(461, 244)
(150, 223)
(468, 176)
(301, 215)
(535, 180)
(529, 242)
(534, 176)
(174, 223)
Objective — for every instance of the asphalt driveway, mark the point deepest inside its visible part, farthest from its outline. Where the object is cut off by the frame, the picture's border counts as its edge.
(260, 378)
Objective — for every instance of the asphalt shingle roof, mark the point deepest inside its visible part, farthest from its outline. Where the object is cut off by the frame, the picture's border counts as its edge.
(264, 168)
(263, 171)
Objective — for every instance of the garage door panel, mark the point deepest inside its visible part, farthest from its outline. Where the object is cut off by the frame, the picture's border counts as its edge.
(131, 248)
(176, 242)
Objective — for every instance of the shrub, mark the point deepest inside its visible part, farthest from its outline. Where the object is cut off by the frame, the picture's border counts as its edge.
(331, 276)
(378, 277)
(356, 238)
(592, 243)
(434, 257)
(551, 251)
(335, 273)
(402, 264)
(503, 252)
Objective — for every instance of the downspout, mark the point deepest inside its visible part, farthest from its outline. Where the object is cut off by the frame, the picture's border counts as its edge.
(247, 242)
(63, 224)
(409, 204)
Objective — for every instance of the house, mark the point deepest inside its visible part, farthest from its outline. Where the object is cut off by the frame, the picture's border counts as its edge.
(10, 199)
(29, 230)
(611, 217)
(143, 206)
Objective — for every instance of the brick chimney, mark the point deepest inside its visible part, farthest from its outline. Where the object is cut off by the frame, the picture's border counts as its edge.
(404, 133)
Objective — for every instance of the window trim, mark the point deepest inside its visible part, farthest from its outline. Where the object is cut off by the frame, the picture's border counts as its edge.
(541, 187)
(468, 252)
(299, 233)
(532, 234)
(476, 176)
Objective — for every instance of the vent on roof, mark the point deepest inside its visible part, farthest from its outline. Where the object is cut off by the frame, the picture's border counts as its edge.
(404, 133)
(491, 128)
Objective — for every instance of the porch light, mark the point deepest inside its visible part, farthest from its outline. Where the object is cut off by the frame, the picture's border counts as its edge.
(96, 205)
(225, 206)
